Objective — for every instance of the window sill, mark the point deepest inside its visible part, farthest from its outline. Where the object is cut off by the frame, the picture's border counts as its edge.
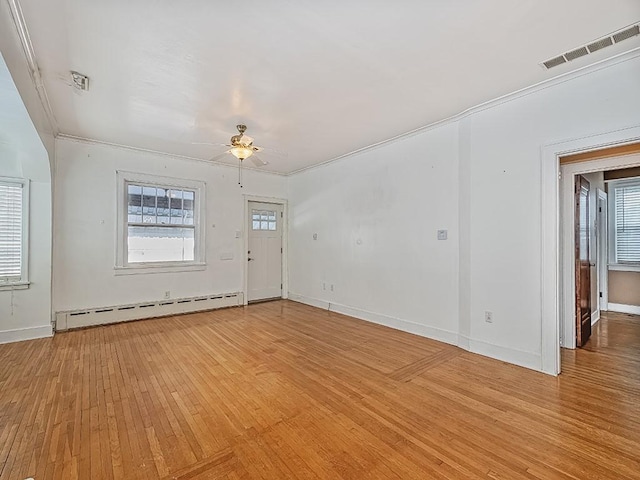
(14, 286)
(622, 267)
(161, 268)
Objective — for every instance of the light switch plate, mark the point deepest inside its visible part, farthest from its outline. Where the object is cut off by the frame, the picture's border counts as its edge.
(442, 234)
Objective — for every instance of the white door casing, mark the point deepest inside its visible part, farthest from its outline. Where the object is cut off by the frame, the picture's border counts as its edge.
(265, 226)
(603, 252)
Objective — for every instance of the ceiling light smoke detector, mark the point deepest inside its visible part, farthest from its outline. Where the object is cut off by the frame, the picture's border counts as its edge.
(80, 81)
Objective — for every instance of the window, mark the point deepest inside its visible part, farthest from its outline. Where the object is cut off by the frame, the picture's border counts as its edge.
(14, 199)
(263, 219)
(160, 222)
(625, 221)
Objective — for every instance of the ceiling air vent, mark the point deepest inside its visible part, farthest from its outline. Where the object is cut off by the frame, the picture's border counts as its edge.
(600, 44)
(554, 62)
(577, 53)
(628, 32)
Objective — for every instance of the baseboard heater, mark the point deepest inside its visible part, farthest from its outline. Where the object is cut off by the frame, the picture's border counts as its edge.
(122, 313)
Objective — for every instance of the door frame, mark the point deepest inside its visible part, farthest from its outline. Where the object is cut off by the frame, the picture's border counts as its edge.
(285, 243)
(555, 273)
(567, 235)
(602, 260)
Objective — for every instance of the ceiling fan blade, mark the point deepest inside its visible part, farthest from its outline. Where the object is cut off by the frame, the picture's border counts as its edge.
(258, 162)
(246, 139)
(271, 151)
(218, 157)
(212, 144)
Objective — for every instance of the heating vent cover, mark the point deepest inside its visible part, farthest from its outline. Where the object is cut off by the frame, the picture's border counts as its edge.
(122, 313)
(599, 44)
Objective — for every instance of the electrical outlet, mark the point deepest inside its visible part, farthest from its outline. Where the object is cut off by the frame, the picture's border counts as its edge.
(488, 316)
(167, 294)
(332, 287)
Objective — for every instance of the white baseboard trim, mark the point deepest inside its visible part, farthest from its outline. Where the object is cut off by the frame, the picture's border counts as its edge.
(523, 359)
(622, 308)
(392, 322)
(398, 323)
(595, 317)
(21, 334)
(314, 302)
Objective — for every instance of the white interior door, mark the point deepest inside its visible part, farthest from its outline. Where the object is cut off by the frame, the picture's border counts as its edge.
(265, 251)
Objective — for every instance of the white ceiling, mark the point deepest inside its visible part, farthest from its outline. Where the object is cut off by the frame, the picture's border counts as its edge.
(313, 79)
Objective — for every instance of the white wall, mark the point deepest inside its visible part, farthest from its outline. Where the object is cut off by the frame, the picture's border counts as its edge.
(506, 218)
(487, 191)
(85, 226)
(26, 313)
(376, 216)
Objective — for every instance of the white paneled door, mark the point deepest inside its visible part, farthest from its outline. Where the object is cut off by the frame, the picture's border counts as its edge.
(265, 226)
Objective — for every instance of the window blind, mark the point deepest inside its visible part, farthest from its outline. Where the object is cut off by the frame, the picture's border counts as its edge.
(10, 231)
(627, 223)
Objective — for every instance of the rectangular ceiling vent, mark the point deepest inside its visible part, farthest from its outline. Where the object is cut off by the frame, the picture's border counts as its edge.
(599, 44)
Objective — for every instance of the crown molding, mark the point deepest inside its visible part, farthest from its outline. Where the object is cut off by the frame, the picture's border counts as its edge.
(557, 80)
(91, 141)
(30, 56)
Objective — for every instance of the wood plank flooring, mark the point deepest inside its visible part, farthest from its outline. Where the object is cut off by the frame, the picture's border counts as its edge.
(284, 391)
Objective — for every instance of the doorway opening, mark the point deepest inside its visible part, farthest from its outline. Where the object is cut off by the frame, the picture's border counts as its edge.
(590, 232)
(557, 276)
(265, 249)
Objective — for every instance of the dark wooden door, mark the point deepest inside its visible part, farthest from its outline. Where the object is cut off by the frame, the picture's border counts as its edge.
(583, 267)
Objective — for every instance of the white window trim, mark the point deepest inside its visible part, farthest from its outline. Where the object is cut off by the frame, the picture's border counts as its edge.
(122, 267)
(23, 283)
(613, 264)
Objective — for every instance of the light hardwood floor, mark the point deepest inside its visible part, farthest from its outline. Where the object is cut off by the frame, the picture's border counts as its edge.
(281, 391)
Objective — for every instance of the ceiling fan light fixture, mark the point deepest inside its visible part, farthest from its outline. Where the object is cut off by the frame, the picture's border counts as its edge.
(241, 152)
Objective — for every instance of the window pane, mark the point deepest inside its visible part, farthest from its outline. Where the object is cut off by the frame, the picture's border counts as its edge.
(134, 195)
(264, 225)
(188, 217)
(149, 204)
(160, 244)
(627, 223)
(272, 225)
(134, 203)
(163, 206)
(11, 231)
(188, 204)
(256, 225)
(176, 207)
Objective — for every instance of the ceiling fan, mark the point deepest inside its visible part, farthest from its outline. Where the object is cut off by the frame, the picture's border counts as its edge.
(241, 146)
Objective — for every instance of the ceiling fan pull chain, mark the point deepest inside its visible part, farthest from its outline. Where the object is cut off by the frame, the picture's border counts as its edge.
(240, 173)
